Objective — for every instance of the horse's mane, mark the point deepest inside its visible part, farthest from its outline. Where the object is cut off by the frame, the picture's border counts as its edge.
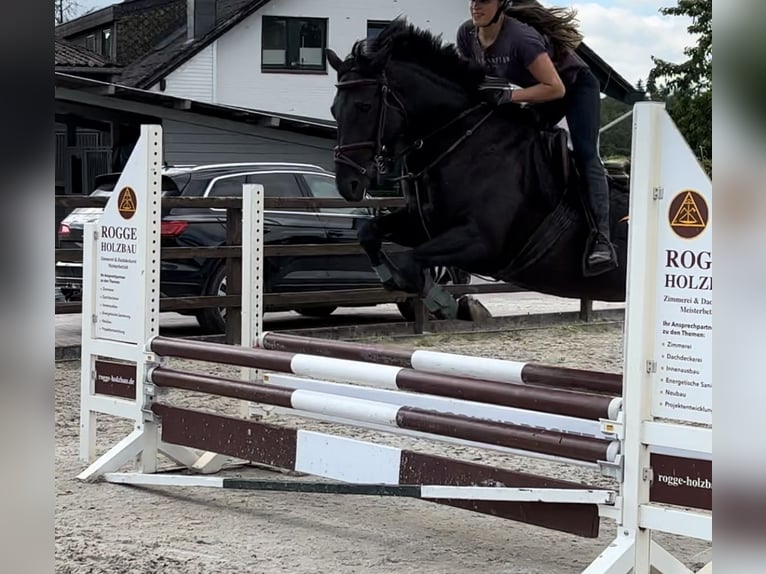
(405, 42)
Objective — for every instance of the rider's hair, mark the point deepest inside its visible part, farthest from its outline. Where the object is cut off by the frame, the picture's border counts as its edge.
(557, 25)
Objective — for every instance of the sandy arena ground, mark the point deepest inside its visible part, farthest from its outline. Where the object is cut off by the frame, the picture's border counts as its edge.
(103, 528)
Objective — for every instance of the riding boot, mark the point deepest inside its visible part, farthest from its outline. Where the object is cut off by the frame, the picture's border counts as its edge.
(600, 255)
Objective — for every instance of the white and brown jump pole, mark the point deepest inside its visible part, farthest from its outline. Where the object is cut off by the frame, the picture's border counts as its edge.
(547, 400)
(530, 499)
(485, 368)
(554, 443)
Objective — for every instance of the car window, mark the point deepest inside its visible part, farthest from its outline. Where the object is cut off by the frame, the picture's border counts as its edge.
(276, 184)
(227, 187)
(323, 186)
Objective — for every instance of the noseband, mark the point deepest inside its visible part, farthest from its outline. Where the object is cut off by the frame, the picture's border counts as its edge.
(381, 153)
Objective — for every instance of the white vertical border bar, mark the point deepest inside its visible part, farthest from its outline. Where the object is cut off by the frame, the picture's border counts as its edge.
(150, 289)
(87, 356)
(252, 276)
(640, 321)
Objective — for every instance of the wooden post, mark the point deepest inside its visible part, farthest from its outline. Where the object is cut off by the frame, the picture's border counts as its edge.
(234, 276)
(586, 310)
(421, 315)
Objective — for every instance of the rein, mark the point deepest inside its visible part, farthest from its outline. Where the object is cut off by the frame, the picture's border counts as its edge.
(418, 144)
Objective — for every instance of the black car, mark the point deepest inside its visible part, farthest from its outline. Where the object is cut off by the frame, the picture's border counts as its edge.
(184, 227)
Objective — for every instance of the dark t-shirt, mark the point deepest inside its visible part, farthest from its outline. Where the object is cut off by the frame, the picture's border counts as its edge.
(516, 47)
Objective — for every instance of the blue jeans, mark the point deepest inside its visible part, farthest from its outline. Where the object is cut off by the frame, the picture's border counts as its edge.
(582, 108)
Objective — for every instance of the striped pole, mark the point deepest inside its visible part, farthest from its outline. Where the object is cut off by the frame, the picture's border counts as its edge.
(484, 368)
(548, 442)
(361, 462)
(556, 401)
(521, 417)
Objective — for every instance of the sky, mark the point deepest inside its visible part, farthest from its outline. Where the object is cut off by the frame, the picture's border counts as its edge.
(625, 33)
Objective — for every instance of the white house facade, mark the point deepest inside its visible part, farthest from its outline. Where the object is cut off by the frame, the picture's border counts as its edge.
(274, 58)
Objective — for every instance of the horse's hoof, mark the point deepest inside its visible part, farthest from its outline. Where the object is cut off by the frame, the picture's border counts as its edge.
(471, 309)
(441, 303)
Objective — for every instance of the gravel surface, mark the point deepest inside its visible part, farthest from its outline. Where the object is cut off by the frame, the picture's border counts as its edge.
(118, 529)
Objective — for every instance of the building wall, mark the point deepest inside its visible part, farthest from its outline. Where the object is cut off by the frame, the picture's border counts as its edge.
(187, 143)
(237, 66)
(194, 79)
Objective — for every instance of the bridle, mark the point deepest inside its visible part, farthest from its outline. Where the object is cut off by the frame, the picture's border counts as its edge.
(380, 159)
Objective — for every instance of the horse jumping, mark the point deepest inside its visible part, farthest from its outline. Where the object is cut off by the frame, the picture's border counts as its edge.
(490, 191)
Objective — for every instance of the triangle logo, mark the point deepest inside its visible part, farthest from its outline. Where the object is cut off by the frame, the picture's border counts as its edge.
(688, 214)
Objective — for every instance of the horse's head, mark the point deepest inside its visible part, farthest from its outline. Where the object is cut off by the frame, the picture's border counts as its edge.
(397, 86)
(370, 119)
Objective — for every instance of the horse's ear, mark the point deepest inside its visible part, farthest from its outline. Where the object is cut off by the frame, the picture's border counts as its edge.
(334, 59)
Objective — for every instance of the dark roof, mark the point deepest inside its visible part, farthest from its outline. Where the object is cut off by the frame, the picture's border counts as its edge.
(168, 56)
(135, 73)
(73, 56)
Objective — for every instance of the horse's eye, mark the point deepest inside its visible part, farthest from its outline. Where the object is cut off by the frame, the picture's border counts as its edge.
(363, 106)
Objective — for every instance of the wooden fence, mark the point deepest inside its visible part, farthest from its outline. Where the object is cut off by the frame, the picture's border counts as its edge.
(231, 251)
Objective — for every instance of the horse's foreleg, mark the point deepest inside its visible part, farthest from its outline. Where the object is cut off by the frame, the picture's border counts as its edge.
(461, 247)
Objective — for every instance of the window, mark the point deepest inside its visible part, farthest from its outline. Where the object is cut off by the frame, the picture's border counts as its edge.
(227, 187)
(106, 42)
(324, 187)
(294, 44)
(277, 184)
(375, 27)
(274, 185)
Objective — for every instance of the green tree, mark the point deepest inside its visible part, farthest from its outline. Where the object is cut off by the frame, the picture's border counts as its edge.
(615, 142)
(687, 87)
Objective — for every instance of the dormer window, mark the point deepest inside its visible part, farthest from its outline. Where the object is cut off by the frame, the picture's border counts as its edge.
(100, 42)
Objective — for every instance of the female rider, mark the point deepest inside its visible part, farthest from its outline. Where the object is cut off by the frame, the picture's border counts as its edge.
(507, 39)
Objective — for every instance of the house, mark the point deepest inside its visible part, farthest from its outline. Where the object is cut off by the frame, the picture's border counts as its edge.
(265, 57)
(260, 54)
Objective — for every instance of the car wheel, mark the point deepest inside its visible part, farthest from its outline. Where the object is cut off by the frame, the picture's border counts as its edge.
(442, 276)
(213, 320)
(317, 311)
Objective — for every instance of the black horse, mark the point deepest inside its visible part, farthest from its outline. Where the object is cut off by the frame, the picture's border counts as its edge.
(492, 191)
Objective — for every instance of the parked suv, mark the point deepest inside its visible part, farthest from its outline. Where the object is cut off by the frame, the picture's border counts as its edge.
(203, 227)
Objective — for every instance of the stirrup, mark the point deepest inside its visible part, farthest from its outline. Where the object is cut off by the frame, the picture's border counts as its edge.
(591, 270)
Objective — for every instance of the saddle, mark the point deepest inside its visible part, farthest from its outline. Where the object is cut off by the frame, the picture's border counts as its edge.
(558, 160)
(557, 170)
